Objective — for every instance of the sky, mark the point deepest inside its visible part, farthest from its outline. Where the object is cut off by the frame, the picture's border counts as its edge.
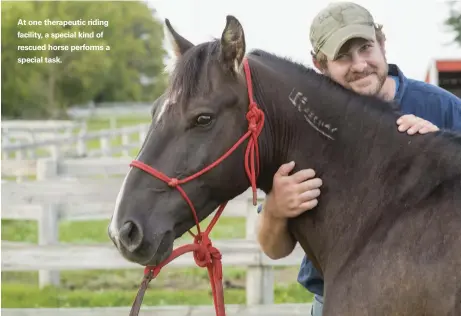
(414, 28)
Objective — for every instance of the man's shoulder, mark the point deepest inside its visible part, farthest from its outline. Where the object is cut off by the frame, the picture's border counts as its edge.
(427, 101)
(429, 93)
(412, 90)
(415, 93)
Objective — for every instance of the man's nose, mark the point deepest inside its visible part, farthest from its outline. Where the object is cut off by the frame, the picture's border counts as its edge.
(359, 64)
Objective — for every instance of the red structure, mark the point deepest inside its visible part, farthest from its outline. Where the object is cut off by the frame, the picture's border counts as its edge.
(445, 73)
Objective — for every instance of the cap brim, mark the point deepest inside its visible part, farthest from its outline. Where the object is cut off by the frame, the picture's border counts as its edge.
(341, 36)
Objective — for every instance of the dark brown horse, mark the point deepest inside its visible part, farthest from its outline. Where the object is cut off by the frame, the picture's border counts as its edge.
(387, 231)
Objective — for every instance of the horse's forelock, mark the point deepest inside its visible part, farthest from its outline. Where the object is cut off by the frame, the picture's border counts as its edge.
(190, 75)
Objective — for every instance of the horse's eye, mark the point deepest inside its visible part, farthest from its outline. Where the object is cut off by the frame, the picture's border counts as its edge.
(203, 120)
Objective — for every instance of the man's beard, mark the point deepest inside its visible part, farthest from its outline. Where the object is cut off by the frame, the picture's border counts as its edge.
(353, 76)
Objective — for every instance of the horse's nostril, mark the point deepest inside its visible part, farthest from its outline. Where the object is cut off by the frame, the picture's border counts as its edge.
(131, 236)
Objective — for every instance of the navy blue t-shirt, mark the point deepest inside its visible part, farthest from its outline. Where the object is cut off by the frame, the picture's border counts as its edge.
(421, 99)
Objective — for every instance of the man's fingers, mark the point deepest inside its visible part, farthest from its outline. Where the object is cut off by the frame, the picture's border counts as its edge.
(428, 128)
(403, 128)
(285, 169)
(309, 195)
(422, 127)
(406, 121)
(307, 206)
(405, 118)
(303, 175)
(415, 128)
(309, 185)
(413, 124)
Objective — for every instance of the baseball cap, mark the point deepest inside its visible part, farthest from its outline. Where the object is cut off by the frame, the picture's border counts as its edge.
(338, 23)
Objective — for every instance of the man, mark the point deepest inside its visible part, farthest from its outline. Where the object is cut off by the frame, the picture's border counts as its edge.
(349, 47)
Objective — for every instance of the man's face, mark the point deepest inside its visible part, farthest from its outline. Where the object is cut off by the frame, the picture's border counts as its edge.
(360, 66)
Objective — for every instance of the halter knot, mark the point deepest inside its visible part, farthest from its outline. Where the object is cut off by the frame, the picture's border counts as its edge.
(206, 253)
(254, 117)
(173, 182)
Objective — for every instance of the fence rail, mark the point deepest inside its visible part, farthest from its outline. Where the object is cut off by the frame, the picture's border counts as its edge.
(18, 256)
(67, 189)
(69, 145)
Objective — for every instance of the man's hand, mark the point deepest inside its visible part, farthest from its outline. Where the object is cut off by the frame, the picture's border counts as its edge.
(293, 194)
(413, 124)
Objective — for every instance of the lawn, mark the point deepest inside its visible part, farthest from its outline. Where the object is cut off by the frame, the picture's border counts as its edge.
(91, 288)
(101, 288)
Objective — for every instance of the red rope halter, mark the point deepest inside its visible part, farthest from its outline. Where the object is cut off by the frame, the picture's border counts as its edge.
(205, 254)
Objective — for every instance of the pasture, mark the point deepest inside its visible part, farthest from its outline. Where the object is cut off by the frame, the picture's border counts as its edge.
(104, 288)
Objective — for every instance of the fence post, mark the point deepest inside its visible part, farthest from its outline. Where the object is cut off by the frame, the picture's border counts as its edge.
(143, 129)
(48, 225)
(104, 142)
(125, 143)
(259, 278)
(19, 156)
(113, 127)
(81, 142)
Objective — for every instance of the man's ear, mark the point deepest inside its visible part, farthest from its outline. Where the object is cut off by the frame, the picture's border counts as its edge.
(232, 44)
(180, 44)
(382, 45)
(318, 65)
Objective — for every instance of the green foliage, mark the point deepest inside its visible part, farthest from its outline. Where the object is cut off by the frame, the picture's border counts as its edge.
(454, 21)
(132, 49)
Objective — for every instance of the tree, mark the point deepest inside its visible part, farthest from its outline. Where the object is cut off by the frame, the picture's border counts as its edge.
(454, 20)
(131, 49)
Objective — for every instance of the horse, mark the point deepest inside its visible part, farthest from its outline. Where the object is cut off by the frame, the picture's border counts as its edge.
(386, 233)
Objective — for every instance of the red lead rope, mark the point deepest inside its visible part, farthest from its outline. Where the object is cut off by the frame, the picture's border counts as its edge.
(205, 255)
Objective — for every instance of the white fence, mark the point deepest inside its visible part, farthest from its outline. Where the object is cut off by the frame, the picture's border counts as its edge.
(65, 190)
(23, 164)
(17, 132)
(110, 109)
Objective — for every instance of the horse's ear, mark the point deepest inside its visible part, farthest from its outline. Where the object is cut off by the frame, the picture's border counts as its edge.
(180, 44)
(232, 44)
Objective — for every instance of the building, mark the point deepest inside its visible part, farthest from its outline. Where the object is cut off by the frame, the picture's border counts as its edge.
(445, 73)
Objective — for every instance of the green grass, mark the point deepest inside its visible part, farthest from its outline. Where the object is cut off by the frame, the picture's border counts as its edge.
(103, 288)
(89, 288)
(21, 296)
(96, 231)
(95, 124)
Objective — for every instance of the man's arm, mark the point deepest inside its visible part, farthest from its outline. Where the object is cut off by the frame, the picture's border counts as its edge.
(273, 235)
(291, 195)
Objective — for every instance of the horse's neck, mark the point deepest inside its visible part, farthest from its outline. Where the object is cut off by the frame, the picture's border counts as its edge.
(307, 123)
(346, 146)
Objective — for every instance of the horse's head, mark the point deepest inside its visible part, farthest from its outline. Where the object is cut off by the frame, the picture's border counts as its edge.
(198, 119)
